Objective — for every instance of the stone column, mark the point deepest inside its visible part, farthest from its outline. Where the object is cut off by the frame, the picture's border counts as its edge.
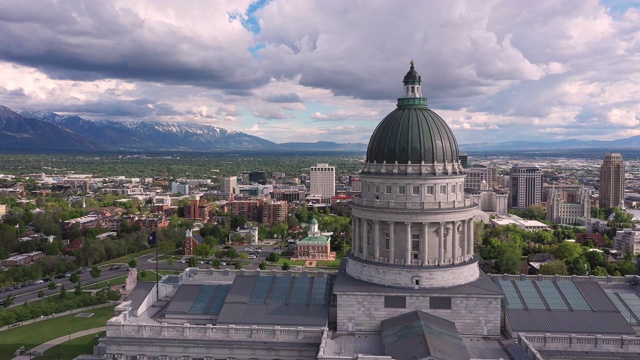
(408, 242)
(354, 236)
(454, 242)
(441, 244)
(470, 237)
(464, 236)
(364, 238)
(392, 242)
(425, 244)
(376, 240)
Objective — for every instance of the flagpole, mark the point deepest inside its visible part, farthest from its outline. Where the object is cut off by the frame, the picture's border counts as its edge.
(157, 273)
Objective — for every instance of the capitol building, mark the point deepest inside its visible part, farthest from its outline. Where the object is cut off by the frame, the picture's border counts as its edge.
(410, 288)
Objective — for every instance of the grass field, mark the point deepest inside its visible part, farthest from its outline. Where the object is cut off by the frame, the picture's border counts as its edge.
(38, 333)
(125, 259)
(73, 348)
(332, 264)
(120, 280)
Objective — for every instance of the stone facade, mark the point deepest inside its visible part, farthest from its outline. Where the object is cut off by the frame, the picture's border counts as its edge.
(416, 277)
(473, 315)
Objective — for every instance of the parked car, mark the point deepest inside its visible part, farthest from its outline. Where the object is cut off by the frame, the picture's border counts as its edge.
(115, 267)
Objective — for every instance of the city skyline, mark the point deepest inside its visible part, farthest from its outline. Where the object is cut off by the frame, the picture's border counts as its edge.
(328, 71)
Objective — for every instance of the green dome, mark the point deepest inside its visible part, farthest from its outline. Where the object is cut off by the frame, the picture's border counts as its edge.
(412, 133)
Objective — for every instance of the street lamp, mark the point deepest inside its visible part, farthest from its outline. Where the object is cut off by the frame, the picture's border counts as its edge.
(69, 334)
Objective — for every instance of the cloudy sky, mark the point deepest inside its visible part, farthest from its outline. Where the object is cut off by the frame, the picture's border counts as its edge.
(291, 70)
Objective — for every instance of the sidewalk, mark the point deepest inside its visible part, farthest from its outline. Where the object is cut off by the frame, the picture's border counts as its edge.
(49, 344)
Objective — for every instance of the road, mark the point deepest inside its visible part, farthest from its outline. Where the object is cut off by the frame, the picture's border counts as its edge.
(145, 262)
(30, 293)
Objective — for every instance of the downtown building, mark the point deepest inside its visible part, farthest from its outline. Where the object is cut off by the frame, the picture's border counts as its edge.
(611, 191)
(274, 212)
(565, 206)
(323, 181)
(526, 186)
(410, 288)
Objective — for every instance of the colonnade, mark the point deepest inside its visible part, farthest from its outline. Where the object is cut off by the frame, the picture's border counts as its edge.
(452, 239)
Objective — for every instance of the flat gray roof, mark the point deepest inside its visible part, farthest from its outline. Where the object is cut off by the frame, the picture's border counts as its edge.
(139, 293)
(277, 300)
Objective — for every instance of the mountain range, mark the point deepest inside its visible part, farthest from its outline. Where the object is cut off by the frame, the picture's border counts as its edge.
(50, 131)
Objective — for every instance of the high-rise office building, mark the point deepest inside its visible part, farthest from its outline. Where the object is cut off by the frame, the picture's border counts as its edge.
(323, 181)
(464, 160)
(229, 185)
(611, 181)
(526, 185)
(177, 187)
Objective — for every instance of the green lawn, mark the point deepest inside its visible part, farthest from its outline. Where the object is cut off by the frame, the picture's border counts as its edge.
(283, 260)
(170, 272)
(56, 295)
(125, 259)
(120, 280)
(333, 264)
(73, 348)
(38, 333)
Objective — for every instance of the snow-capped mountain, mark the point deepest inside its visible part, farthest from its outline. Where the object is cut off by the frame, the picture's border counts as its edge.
(153, 135)
(19, 132)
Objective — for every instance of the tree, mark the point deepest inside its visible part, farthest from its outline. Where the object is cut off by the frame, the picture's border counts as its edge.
(9, 300)
(596, 259)
(600, 271)
(52, 285)
(508, 262)
(238, 265)
(578, 266)
(568, 250)
(63, 292)
(238, 221)
(95, 272)
(555, 267)
(262, 265)
(285, 266)
(273, 257)
(232, 254)
(215, 263)
(203, 250)
(192, 262)
(626, 267)
(41, 293)
(133, 263)
(75, 277)
(78, 289)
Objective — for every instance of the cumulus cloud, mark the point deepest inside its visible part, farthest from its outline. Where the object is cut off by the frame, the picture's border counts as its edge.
(493, 70)
(283, 98)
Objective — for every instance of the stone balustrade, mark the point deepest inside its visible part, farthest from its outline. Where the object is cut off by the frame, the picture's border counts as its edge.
(210, 332)
(415, 205)
(573, 278)
(579, 343)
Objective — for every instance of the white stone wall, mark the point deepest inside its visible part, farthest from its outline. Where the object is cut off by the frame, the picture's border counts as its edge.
(472, 315)
(406, 276)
